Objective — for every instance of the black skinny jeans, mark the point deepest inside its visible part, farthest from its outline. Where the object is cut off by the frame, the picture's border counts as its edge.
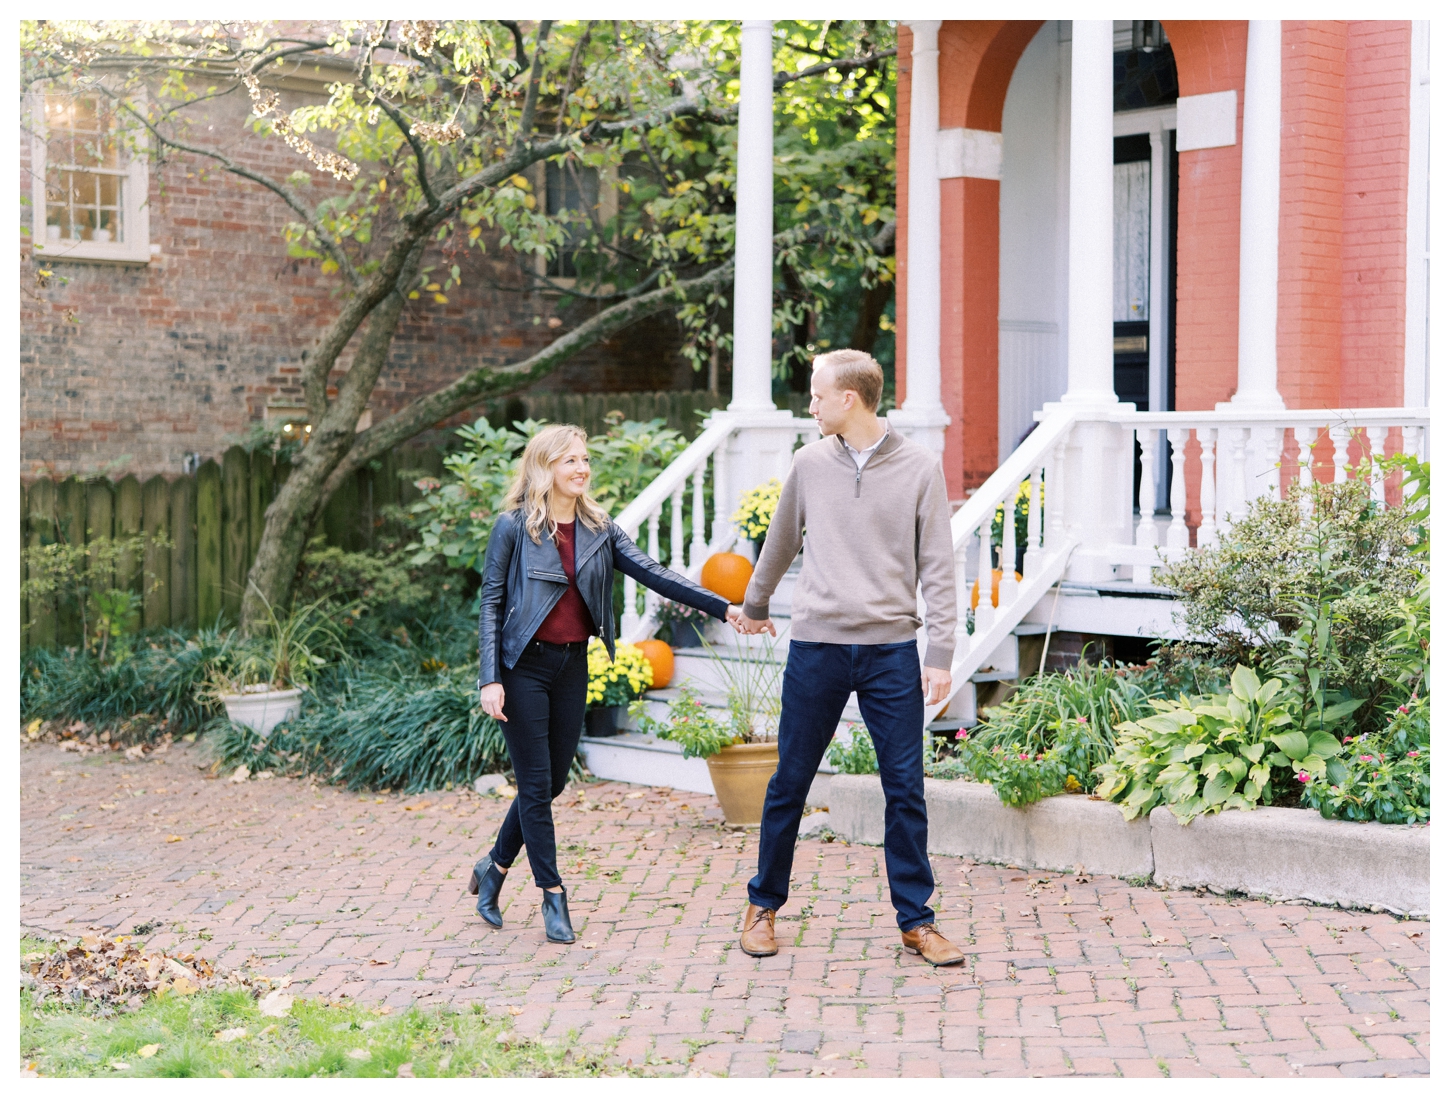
(543, 699)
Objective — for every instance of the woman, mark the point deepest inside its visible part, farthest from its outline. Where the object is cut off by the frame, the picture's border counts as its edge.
(548, 586)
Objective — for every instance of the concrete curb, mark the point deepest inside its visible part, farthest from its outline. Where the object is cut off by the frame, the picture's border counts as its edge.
(1281, 853)
(1293, 854)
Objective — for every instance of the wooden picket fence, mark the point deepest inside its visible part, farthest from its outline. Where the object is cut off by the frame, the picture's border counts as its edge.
(205, 527)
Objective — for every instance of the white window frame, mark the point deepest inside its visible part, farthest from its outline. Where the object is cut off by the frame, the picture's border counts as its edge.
(608, 207)
(135, 204)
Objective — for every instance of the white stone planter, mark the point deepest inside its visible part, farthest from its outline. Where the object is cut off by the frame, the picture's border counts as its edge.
(1281, 853)
(262, 709)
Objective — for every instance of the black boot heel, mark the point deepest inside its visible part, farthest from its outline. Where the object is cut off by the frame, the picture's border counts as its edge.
(557, 927)
(486, 886)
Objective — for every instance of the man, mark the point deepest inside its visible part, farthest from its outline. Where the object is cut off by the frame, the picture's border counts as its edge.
(872, 507)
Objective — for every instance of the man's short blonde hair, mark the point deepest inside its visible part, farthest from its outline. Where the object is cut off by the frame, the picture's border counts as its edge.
(855, 370)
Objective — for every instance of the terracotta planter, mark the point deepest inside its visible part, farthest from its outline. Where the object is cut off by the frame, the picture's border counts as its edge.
(740, 775)
(262, 710)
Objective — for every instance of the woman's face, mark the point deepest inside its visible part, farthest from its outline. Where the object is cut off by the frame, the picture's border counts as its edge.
(571, 472)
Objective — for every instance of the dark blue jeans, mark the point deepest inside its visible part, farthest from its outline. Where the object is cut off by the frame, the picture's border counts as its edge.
(818, 680)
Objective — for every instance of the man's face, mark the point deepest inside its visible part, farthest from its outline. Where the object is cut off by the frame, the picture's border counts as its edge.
(830, 406)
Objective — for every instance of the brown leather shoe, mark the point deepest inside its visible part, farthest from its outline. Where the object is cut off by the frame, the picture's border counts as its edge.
(930, 943)
(758, 938)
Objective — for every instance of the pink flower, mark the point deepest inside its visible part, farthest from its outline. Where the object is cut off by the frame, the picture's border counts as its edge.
(1366, 758)
(1024, 758)
(1413, 754)
(1404, 709)
(961, 733)
(1304, 777)
(1082, 720)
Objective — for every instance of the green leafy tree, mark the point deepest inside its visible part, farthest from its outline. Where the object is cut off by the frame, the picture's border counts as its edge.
(419, 152)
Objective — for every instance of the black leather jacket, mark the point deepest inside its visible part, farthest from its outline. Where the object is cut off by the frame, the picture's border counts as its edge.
(522, 582)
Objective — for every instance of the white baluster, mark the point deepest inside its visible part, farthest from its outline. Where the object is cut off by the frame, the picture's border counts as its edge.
(984, 579)
(1177, 488)
(1339, 439)
(1413, 438)
(1304, 437)
(1376, 455)
(964, 597)
(1271, 462)
(677, 528)
(1207, 488)
(1032, 559)
(721, 529)
(1056, 531)
(1147, 499)
(629, 627)
(1232, 500)
(652, 600)
(698, 543)
(1007, 555)
(1147, 486)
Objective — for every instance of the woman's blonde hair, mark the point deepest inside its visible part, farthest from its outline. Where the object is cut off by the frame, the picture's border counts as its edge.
(534, 485)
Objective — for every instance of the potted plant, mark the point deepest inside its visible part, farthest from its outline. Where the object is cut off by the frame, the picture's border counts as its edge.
(260, 680)
(741, 767)
(613, 684)
(684, 624)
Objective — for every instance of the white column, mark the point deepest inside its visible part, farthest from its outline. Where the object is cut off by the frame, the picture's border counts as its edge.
(921, 416)
(1258, 388)
(754, 222)
(1090, 217)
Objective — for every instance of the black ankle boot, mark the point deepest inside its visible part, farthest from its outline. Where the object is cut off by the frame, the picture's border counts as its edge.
(485, 885)
(555, 907)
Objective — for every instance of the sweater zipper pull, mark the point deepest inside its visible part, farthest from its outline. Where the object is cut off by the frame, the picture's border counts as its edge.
(858, 482)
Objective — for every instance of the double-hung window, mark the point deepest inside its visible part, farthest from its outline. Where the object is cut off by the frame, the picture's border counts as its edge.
(89, 181)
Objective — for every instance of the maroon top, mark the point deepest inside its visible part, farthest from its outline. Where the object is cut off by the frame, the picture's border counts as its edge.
(569, 620)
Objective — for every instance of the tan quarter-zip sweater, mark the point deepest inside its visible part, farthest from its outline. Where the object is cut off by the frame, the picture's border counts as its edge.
(870, 535)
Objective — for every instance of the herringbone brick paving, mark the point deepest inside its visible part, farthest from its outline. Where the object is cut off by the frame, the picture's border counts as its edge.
(364, 896)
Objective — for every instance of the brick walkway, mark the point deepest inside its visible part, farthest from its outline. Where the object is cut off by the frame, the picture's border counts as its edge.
(364, 896)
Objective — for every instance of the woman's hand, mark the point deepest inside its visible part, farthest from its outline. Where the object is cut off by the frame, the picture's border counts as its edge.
(732, 618)
(491, 698)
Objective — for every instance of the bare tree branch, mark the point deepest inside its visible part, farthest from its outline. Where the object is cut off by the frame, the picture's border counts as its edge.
(842, 66)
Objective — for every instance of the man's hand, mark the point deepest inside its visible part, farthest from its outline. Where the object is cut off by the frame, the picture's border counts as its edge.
(491, 698)
(751, 626)
(935, 684)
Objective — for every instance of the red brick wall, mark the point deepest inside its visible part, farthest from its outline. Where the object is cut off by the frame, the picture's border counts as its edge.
(1210, 58)
(182, 354)
(1311, 213)
(1376, 190)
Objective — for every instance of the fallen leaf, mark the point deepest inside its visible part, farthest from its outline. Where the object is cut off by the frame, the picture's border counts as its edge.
(119, 1065)
(173, 838)
(443, 1063)
(375, 961)
(506, 790)
(74, 859)
(1024, 914)
(359, 1054)
(417, 807)
(107, 806)
(235, 1034)
(516, 1010)
(362, 831)
(276, 1004)
(405, 1071)
(1160, 941)
(148, 1051)
(587, 945)
(1066, 899)
(241, 774)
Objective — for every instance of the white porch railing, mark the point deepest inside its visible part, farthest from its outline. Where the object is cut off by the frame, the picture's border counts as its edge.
(1078, 467)
(704, 463)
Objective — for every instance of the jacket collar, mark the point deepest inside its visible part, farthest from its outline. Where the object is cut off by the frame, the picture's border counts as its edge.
(586, 541)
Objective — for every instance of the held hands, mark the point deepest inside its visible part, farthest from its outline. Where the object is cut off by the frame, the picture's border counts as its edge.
(935, 684)
(749, 626)
(491, 698)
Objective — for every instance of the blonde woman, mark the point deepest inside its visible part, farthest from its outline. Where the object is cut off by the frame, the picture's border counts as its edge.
(548, 586)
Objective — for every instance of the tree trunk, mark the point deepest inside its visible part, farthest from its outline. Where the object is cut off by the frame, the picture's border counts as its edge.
(868, 317)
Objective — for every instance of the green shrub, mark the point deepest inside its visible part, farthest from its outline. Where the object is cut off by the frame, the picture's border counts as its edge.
(1328, 545)
(1387, 774)
(689, 724)
(855, 756)
(1019, 777)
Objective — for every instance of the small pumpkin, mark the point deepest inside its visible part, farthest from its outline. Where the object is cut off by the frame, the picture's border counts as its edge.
(996, 587)
(727, 574)
(661, 660)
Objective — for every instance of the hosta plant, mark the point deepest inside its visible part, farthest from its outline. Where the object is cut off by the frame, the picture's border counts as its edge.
(1202, 755)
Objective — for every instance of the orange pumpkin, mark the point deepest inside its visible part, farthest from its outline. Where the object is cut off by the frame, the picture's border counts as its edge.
(996, 587)
(661, 660)
(727, 574)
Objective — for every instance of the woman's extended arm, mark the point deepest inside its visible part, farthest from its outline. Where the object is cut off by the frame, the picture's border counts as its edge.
(641, 567)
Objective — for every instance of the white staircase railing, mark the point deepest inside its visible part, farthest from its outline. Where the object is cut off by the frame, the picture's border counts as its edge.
(702, 465)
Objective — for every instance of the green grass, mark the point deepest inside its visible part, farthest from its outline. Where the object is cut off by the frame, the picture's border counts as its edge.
(315, 1039)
